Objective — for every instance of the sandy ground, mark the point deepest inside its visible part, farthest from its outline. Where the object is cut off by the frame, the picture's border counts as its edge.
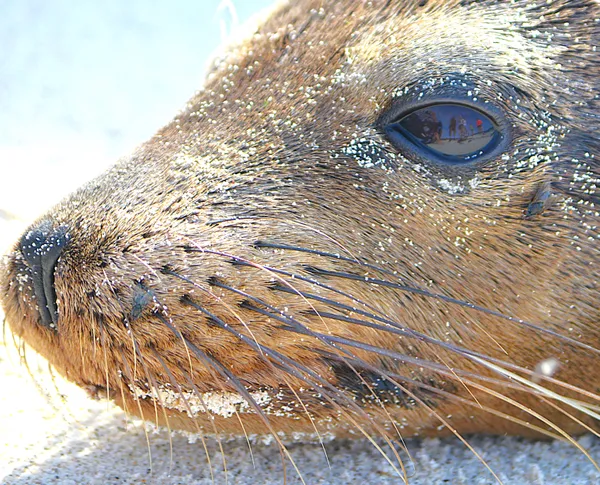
(81, 83)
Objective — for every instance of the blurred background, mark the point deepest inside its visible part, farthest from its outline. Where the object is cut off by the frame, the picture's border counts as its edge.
(83, 82)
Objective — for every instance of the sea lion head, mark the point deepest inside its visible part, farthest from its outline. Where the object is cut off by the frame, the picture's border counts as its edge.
(307, 245)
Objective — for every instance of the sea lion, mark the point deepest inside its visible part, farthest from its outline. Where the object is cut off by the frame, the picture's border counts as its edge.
(302, 250)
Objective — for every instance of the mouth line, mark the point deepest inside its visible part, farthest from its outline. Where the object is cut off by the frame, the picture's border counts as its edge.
(96, 392)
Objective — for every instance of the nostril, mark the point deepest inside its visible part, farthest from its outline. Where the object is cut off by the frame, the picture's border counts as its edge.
(41, 247)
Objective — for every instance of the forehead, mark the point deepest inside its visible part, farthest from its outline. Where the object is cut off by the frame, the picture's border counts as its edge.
(392, 44)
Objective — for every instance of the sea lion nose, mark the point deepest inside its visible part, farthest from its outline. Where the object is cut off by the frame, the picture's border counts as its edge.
(41, 247)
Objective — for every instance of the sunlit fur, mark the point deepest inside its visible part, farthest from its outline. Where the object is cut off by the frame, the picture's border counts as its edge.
(270, 247)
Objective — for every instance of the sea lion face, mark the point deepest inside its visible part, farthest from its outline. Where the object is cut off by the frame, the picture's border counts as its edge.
(292, 254)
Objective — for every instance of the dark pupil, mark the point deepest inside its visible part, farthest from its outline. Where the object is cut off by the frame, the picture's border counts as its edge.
(456, 132)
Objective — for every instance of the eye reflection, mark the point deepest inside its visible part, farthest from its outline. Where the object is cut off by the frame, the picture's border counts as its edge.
(456, 132)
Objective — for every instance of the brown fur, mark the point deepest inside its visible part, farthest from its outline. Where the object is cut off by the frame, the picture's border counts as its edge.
(278, 148)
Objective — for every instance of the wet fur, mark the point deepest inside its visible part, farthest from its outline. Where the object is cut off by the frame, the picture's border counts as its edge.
(270, 240)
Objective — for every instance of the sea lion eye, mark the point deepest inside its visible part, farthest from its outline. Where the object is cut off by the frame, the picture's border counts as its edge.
(452, 133)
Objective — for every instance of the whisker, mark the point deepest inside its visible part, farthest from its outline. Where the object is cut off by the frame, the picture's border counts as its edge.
(244, 261)
(430, 365)
(393, 377)
(258, 346)
(394, 327)
(216, 297)
(537, 415)
(172, 273)
(448, 299)
(267, 352)
(262, 218)
(162, 405)
(411, 289)
(5, 340)
(420, 363)
(286, 247)
(190, 382)
(132, 379)
(229, 377)
(354, 343)
(420, 401)
(102, 332)
(540, 389)
(295, 326)
(414, 334)
(570, 416)
(197, 394)
(312, 421)
(128, 414)
(188, 408)
(436, 367)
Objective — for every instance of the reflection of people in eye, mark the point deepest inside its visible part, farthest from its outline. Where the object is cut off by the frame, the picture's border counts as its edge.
(462, 128)
(427, 127)
(452, 128)
(479, 124)
(436, 136)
